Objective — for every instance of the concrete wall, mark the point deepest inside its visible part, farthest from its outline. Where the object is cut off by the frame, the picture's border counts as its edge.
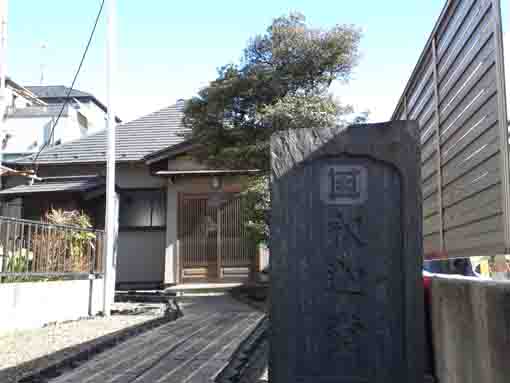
(471, 330)
(34, 304)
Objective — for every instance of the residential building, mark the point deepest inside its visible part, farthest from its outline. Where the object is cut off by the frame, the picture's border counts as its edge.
(179, 220)
(91, 111)
(33, 111)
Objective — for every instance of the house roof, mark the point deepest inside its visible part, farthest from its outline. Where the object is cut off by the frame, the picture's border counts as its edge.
(134, 140)
(6, 171)
(60, 184)
(206, 172)
(56, 91)
(168, 152)
(25, 92)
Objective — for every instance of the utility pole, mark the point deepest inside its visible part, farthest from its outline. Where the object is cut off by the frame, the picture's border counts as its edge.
(111, 200)
(3, 72)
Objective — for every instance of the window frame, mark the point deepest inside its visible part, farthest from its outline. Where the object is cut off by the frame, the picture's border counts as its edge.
(150, 227)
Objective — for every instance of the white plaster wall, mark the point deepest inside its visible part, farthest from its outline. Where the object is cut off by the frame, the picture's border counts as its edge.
(34, 304)
(95, 116)
(68, 128)
(127, 176)
(171, 234)
(137, 176)
(25, 132)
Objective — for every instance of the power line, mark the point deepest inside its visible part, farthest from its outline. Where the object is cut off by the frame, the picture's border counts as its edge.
(66, 100)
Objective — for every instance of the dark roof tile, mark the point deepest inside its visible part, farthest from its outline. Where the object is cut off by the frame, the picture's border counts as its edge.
(50, 186)
(134, 140)
(56, 91)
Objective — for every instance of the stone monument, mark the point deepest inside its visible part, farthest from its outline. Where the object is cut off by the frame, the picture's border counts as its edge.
(346, 255)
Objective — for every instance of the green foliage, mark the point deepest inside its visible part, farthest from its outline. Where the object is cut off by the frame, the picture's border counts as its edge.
(256, 204)
(79, 240)
(58, 250)
(18, 262)
(282, 82)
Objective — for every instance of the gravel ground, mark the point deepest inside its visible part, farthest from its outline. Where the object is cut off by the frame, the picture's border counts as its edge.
(38, 345)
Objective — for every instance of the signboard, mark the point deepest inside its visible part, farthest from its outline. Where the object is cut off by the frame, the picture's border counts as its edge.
(346, 256)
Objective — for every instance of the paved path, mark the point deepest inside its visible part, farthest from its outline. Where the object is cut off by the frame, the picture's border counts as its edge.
(192, 349)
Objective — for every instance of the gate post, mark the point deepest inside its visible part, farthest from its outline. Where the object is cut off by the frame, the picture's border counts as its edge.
(346, 255)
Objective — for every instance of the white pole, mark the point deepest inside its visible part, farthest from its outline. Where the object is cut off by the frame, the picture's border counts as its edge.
(111, 211)
(3, 71)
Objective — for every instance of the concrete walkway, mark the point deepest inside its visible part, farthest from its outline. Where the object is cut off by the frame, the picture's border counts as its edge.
(193, 349)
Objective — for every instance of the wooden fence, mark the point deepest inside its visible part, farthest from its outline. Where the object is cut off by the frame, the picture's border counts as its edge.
(457, 94)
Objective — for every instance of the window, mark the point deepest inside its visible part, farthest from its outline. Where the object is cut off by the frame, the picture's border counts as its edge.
(142, 209)
(83, 123)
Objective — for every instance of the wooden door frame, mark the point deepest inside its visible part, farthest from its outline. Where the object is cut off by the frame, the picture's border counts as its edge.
(179, 264)
(182, 196)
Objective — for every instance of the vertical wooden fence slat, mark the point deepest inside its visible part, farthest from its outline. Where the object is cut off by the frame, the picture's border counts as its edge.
(438, 147)
(503, 122)
(458, 84)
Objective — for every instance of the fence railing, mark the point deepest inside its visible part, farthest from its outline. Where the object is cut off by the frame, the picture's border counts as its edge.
(35, 249)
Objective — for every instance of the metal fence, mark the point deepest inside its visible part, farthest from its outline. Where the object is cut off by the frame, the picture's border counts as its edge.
(457, 94)
(31, 249)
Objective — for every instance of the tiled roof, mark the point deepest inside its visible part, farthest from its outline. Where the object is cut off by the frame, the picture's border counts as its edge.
(79, 184)
(56, 91)
(134, 140)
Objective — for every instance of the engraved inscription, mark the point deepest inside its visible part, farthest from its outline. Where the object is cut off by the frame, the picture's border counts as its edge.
(344, 185)
(342, 270)
(346, 329)
(343, 235)
(345, 282)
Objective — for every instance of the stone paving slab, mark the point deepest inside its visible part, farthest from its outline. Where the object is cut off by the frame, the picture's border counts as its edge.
(193, 349)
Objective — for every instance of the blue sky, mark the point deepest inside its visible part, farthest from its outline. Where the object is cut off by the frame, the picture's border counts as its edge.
(169, 49)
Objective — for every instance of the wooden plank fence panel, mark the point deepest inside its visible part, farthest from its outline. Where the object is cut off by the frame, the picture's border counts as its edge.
(465, 164)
